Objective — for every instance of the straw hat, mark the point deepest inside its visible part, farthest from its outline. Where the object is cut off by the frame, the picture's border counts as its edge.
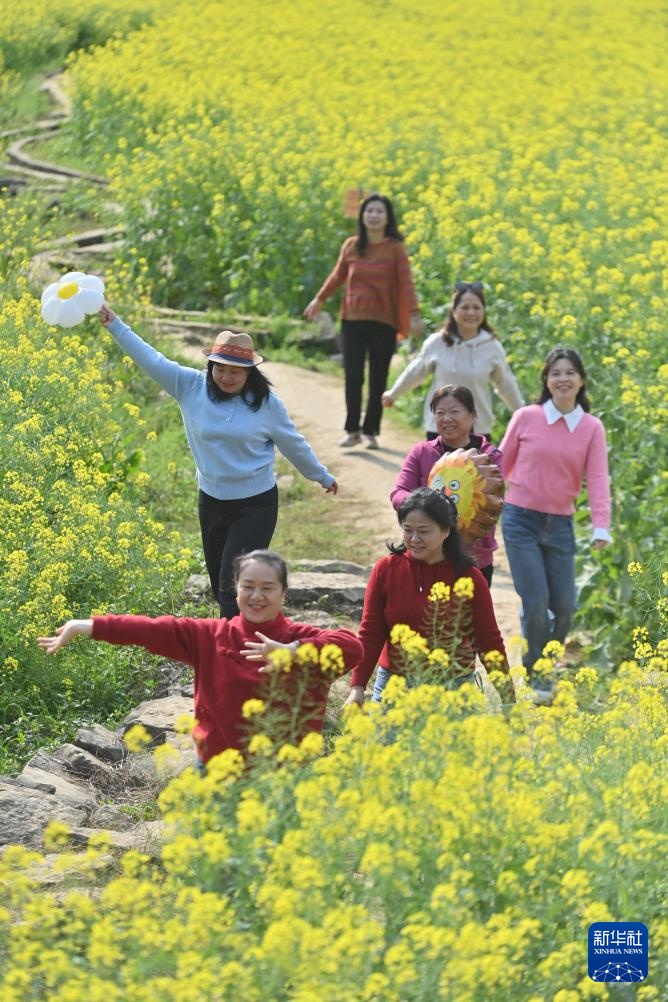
(236, 349)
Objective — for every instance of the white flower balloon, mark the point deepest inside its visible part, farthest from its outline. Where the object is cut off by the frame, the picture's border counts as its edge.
(67, 302)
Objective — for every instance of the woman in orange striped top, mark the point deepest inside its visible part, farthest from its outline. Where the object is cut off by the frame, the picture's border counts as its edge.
(379, 300)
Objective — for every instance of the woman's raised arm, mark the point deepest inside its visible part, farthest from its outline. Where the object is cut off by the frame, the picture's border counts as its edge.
(65, 634)
(175, 379)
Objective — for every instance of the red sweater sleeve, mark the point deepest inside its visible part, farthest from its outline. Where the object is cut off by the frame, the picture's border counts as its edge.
(350, 646)
(374, 629)
(409, 478)
(171, 636)
(338, 275)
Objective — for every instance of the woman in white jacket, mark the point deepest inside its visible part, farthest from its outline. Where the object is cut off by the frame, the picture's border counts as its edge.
(467, 352)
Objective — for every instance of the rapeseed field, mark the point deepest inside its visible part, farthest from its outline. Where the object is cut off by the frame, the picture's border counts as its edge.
(439, 850)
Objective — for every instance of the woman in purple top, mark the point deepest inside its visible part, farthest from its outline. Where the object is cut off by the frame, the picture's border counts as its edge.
(454, 415)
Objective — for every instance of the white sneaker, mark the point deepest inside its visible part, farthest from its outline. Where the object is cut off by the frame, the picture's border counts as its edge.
(370, 442)
(352, 438)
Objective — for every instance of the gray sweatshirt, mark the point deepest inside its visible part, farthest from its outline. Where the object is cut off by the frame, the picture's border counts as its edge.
(474, 363)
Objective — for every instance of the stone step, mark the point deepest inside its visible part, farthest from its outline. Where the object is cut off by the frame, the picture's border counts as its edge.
(25, 812)
(329, 590)
(159, 716)
(331, 584)
(65, 789)
(101, 742)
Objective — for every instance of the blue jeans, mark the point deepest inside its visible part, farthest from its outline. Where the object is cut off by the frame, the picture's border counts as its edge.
(541, 554)
(383, 676)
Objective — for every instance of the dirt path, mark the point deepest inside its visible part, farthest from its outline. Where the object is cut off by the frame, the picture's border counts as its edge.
(315, 403)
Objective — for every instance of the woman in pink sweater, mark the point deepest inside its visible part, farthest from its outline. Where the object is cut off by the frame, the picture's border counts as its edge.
(230, 656)
(379, 300)
(548, 449)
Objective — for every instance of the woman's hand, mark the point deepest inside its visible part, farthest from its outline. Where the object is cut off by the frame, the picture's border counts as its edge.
(599, 544)
(386, 399)
(416, 326)
(106, 315)
(356, 695)
(313, 309)
(65, 634)
(260, 651)
(332, 489)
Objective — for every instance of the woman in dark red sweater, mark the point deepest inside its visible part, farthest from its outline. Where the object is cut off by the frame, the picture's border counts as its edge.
(230, 655)
(379, 301)
(398, 593)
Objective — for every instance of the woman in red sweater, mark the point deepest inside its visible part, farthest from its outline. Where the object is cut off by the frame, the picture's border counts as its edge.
(379, 301)
(229, 656)
(398, 593)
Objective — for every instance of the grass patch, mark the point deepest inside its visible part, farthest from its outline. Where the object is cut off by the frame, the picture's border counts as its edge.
(24, 101)
(312, 526)
(61, 148)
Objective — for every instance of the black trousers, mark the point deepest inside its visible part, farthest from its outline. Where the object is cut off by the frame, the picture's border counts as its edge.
(230, 528)
(360, 338)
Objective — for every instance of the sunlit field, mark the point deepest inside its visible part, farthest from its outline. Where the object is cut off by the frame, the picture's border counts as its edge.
(439, 850)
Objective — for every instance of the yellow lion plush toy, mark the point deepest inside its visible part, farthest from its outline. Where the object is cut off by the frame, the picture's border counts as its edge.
(475, 485)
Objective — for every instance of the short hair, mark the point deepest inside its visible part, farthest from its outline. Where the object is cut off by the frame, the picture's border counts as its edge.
(270, 557)
(460, 393)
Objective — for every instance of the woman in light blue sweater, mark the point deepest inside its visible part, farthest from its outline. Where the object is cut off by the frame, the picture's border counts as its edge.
(233, 421)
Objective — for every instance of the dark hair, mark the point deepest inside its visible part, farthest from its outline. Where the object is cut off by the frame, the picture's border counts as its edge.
(461, 393)
(254, 393)
(450, 331)
(269, 557)
(571, 355)
(391, 229)
(444, 512)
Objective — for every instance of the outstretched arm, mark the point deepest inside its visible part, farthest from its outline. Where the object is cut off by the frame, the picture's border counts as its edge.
(414, 374)
(175, 637)
(65, 634)
(348, 646)
(296, 449)
(175, 379)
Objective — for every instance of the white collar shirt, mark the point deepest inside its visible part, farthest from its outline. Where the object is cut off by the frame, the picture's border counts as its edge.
(572, 419)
